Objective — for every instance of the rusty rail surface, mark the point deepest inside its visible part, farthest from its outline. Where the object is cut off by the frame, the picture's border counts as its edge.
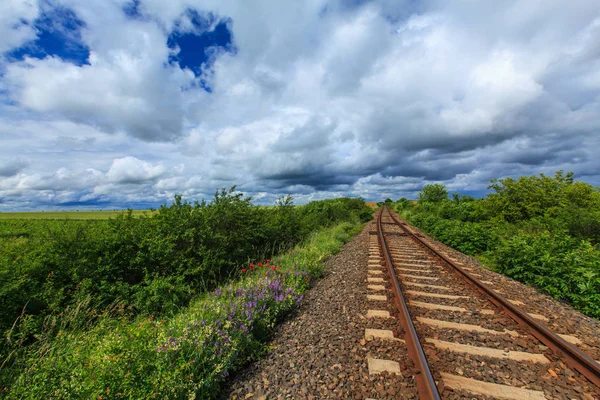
(574, 357)
(425, 383)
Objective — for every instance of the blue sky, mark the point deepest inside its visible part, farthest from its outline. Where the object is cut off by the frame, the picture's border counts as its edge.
(57, 33)
(107, 104)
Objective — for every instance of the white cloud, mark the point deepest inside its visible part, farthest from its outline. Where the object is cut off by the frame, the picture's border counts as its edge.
(133, 170)
(373, 99)
(16, 17)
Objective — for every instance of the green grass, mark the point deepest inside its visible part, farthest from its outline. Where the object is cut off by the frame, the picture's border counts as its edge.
(67, 214)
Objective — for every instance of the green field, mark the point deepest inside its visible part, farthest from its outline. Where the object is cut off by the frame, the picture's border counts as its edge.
(99, 214)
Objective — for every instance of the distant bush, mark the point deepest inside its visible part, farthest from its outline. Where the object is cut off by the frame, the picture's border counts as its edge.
(433, 193)
(468, 237)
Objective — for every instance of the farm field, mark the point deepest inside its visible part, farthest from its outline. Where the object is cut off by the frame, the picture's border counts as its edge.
(79, 215)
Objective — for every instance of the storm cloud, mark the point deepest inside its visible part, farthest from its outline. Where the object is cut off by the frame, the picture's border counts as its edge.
(105, 104)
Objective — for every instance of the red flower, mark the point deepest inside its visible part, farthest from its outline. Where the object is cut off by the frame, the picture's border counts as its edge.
(260, 264)
(251, 265)
(265, 274)
(273, 267)
(243, 269)
(268, 261)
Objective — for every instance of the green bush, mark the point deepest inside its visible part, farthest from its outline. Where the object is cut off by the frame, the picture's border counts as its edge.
(186, 356)
(434, 193)
(562, 266)
(468, 237)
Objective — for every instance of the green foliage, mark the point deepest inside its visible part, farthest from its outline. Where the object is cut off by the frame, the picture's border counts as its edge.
(433, 193)
(539, 230)
(186, 356)
(151, 265)
(562, 266)
(403, 203)
(468, 237)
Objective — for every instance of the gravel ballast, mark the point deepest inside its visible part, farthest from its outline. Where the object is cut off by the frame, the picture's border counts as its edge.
(321, 351)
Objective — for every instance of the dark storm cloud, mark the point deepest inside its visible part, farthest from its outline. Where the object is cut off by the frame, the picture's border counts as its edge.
(12, 168)
(316, 179)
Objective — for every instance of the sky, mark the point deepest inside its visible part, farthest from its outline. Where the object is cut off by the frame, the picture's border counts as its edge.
(125, 103)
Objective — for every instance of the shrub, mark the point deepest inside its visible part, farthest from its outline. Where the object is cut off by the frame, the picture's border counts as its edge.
(434, 193)
(186, 356)
(468, 237)
(562, 266)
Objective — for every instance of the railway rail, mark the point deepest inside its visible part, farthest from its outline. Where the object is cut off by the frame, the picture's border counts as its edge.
(464, 336)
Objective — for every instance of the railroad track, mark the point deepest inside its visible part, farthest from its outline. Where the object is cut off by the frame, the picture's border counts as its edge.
(464, 336)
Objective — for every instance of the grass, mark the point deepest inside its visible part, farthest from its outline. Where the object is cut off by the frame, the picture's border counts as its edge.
(97, 214)
(188, 355)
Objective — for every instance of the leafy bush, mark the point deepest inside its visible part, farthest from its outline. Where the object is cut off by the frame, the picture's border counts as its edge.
(562, 266)
(433, 193)
(468, 237)
(186, 356)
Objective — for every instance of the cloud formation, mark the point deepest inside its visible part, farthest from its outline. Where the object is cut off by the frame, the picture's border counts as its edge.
(318, 99)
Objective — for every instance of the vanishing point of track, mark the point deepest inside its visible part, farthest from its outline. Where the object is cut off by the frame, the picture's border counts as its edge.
(422, 270)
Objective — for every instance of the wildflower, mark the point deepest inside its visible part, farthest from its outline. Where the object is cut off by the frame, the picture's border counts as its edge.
(273, 267)
(268, 261)
(260, 264)
(265, 274)
(243, 270)
(251, 265)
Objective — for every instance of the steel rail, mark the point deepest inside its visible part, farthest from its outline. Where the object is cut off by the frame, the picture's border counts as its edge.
(426, 385)
(574, 357)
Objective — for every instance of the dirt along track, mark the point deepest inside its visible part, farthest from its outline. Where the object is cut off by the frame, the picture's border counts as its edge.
(347, 339)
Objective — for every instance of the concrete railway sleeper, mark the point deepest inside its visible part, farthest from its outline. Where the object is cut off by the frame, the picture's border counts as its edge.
(465, 339)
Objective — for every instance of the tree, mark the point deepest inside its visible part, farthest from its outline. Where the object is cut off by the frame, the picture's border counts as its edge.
(534, 196)
(433, 193)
